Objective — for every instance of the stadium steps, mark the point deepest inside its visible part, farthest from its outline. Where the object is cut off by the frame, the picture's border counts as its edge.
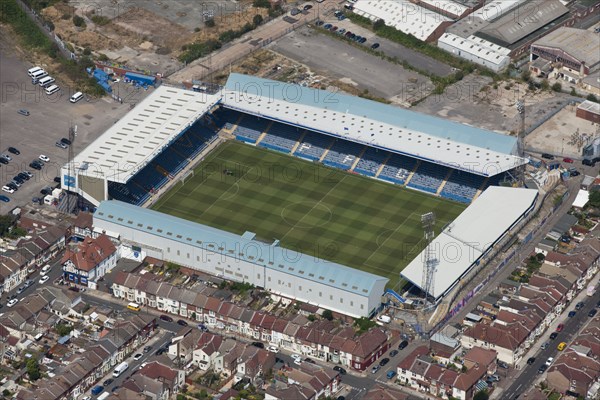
(326, 151)
(444, 182)
(483, 186)
(412, 172)
(262, 135)
(383, 164)
(299, 141)
(358, 159)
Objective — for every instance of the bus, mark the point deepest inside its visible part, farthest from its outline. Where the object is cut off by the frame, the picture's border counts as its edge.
(133, 306)
(120, 369)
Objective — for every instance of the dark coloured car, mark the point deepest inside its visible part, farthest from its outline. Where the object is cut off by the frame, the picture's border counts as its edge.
(333, 28)
(340, 398)
(542, 369)
(553, 335)
(182, 322)
(327, 26)
(3, 160)
(575, 173)
(166, 318)
(362, 40)
(108, 382)
(402, 345)
(339, 369)
(319, 23)
(23, 112)
(258, 344)
(384, 361)
(572, 314)
(295, 11)
(502, 364)
(348, 34)
(598, 304)
(393, 353)
(374, 46)
(147, 349)
(579, 305)
(57, 179)
(547, 156)
(4, 198)
(24, 176)
(35, 166)
(530, 360)
(592, 312)
(46, 191)
(159, 351)
(14, 150)
(307, 7)
(114, 389)
(588, 162)
(309, 360)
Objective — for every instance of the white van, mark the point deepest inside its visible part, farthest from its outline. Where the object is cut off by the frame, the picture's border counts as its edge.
(52, 89)
(36, 76)
(120, 369)
(46, 81)
(76, 97)
(33, 70)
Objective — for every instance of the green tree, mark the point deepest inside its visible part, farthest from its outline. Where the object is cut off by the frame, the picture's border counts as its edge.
(593, 98)
(257, 20)
(557, 87)
(545, 85)
(181, 397)
(78, 21)
(33, 369)
(63, 329)
(594, 199)
(483, 395)
(378, 24)
(327, 314)
(210, 23)
(526, 75)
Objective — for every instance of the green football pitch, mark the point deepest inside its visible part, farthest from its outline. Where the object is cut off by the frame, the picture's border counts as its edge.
(335, 215)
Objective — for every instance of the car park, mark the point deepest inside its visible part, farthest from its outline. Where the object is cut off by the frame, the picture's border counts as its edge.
(4, 199)
(14, 150)
(44, 158)
(138, 356)
(592, 313)
(166, 318)
(23, 112)
(44, 279)
(339, 369)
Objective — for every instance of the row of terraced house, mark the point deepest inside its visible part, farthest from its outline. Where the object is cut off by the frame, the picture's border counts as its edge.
(319, 339)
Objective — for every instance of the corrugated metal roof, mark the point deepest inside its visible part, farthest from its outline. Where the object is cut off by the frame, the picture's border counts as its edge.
(471, 234)
(364, 121)
(205, 237)
(581, 44)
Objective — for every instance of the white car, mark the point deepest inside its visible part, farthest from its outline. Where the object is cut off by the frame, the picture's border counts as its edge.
(8, 189)
(12, 302)
(138, 356)
(44, 279)
(297, 361)
(9, 158)
(44, 158)
(296, 357)
(273, 349)
(45, 270)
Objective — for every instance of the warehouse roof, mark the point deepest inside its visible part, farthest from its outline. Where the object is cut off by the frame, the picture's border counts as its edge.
(213, 240)
(138, 137)
(449, 6)
(581, 44)
(487, 50)
(526, 19)
(402, 15)
(475, 231)
(374, 124)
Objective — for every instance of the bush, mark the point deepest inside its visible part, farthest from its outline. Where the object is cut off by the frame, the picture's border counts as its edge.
(87, 51)
(557, 87)
(210, 23)
(593, 98)
(257, 20)
(197, 50)
(78, 21)
(100, 20)
(327, 314)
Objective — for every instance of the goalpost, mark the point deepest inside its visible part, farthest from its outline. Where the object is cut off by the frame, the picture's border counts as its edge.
(185, 176)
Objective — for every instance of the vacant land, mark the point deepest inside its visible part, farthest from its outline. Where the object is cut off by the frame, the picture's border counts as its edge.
(335, 215)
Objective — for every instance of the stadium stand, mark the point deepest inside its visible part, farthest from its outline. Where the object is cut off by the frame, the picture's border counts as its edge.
(164, 166)
(428, 177)
(313, 146)
(250, 128)
(343, 154)
(371, 161)
(226, 118)
(281, 137)
(397, 169)
(462, 186)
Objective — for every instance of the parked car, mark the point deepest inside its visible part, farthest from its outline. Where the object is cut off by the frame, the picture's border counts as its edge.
(28, 282)
(44, 158)
(530, 360)
(138, 356)
(166, 318)
(319, 23)
(561, 346)
(258, 344)
(375, 369)
(375, 46)
(588, 162)
(4, 160)
(547, 156)
(23, 112)
(20, 289)
(12, 302)
(572, 314)
(61, 145)
(44, 279)
(553, 335)
(46, 191)
(568, 160)
(182, 322)
(545, 346)
(592, 312)
(502, 364)
(391, 374)
(579, 305)
(8, 189)
(384, 361)
(560, 327)
(309, 360)
(24, 176)
(339, 369)
(147, 349)
(14, 150)
(327, 26)
(108, 382)
(402, 345)
(307, 7)
(4, 199)
(575, 173)
(273, 349)
(393, 353)
(542, 368)
(35, 165)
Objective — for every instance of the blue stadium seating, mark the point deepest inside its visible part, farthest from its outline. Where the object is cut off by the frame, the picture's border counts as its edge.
(313, 146)
(250, 128)
(343, 154)
(397, 169)
(281, 137)
(462, 186)
(371, 161)
(226, 118)
(428, 177)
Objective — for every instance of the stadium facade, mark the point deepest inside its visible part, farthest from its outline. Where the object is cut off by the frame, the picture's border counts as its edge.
(281, 271)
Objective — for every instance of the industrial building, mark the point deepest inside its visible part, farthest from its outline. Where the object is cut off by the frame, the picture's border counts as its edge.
(242, 258)
(574, 52)
(589, 110)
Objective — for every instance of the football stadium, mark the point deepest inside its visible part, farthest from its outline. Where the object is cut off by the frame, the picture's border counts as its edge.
(329, 189)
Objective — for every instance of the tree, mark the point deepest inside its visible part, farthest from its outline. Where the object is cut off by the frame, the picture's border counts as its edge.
(557, 87)
(545, 84)
(63, 329)
(78, 21)
(378, 24)
(33, 369)
(594, 199)
(257, 20)
(593, 98)
(526, 75)
(261, 3)
(483, 395)
(210, 23)
(327, 314)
